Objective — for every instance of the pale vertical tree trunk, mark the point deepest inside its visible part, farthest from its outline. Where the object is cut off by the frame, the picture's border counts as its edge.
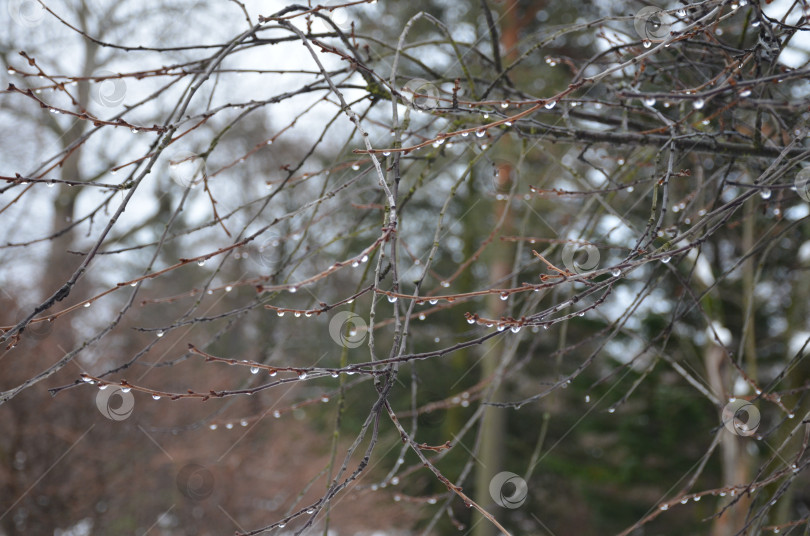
(734, 458)
(61, 264)
(493, 426)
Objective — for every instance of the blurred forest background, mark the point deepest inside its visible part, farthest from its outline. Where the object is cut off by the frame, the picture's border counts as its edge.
(578, 230)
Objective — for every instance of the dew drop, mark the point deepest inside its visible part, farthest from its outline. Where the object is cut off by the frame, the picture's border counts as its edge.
(666, 259)
(647, 43)
(310, 511)
(550, 104)
(228, 288)
(212, 426)
(280, 313)
(421, 316)
(229, 425)
(649, 101)
(102, 387)
(87, 304)
(504, 296)
(612, 410)
(156, 397)
(664, 507)
(160, 334)
(765, 193)
(302, 375)
(277, 414)
(504, 105)
(364, 259)
(293, 290)
(681, 12)
(124, 389)
(471, 320)
(243, 422)
(616, 273)
(745, 93)
(272, 373)
(445, 284)
(297, 314)
(514, 329)
(395, 480)
(386, 153)
(433, 302)
(587, 399)
(698, 104)
(355, 167)
(254, 370)
(465, 134)
(392, 299)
